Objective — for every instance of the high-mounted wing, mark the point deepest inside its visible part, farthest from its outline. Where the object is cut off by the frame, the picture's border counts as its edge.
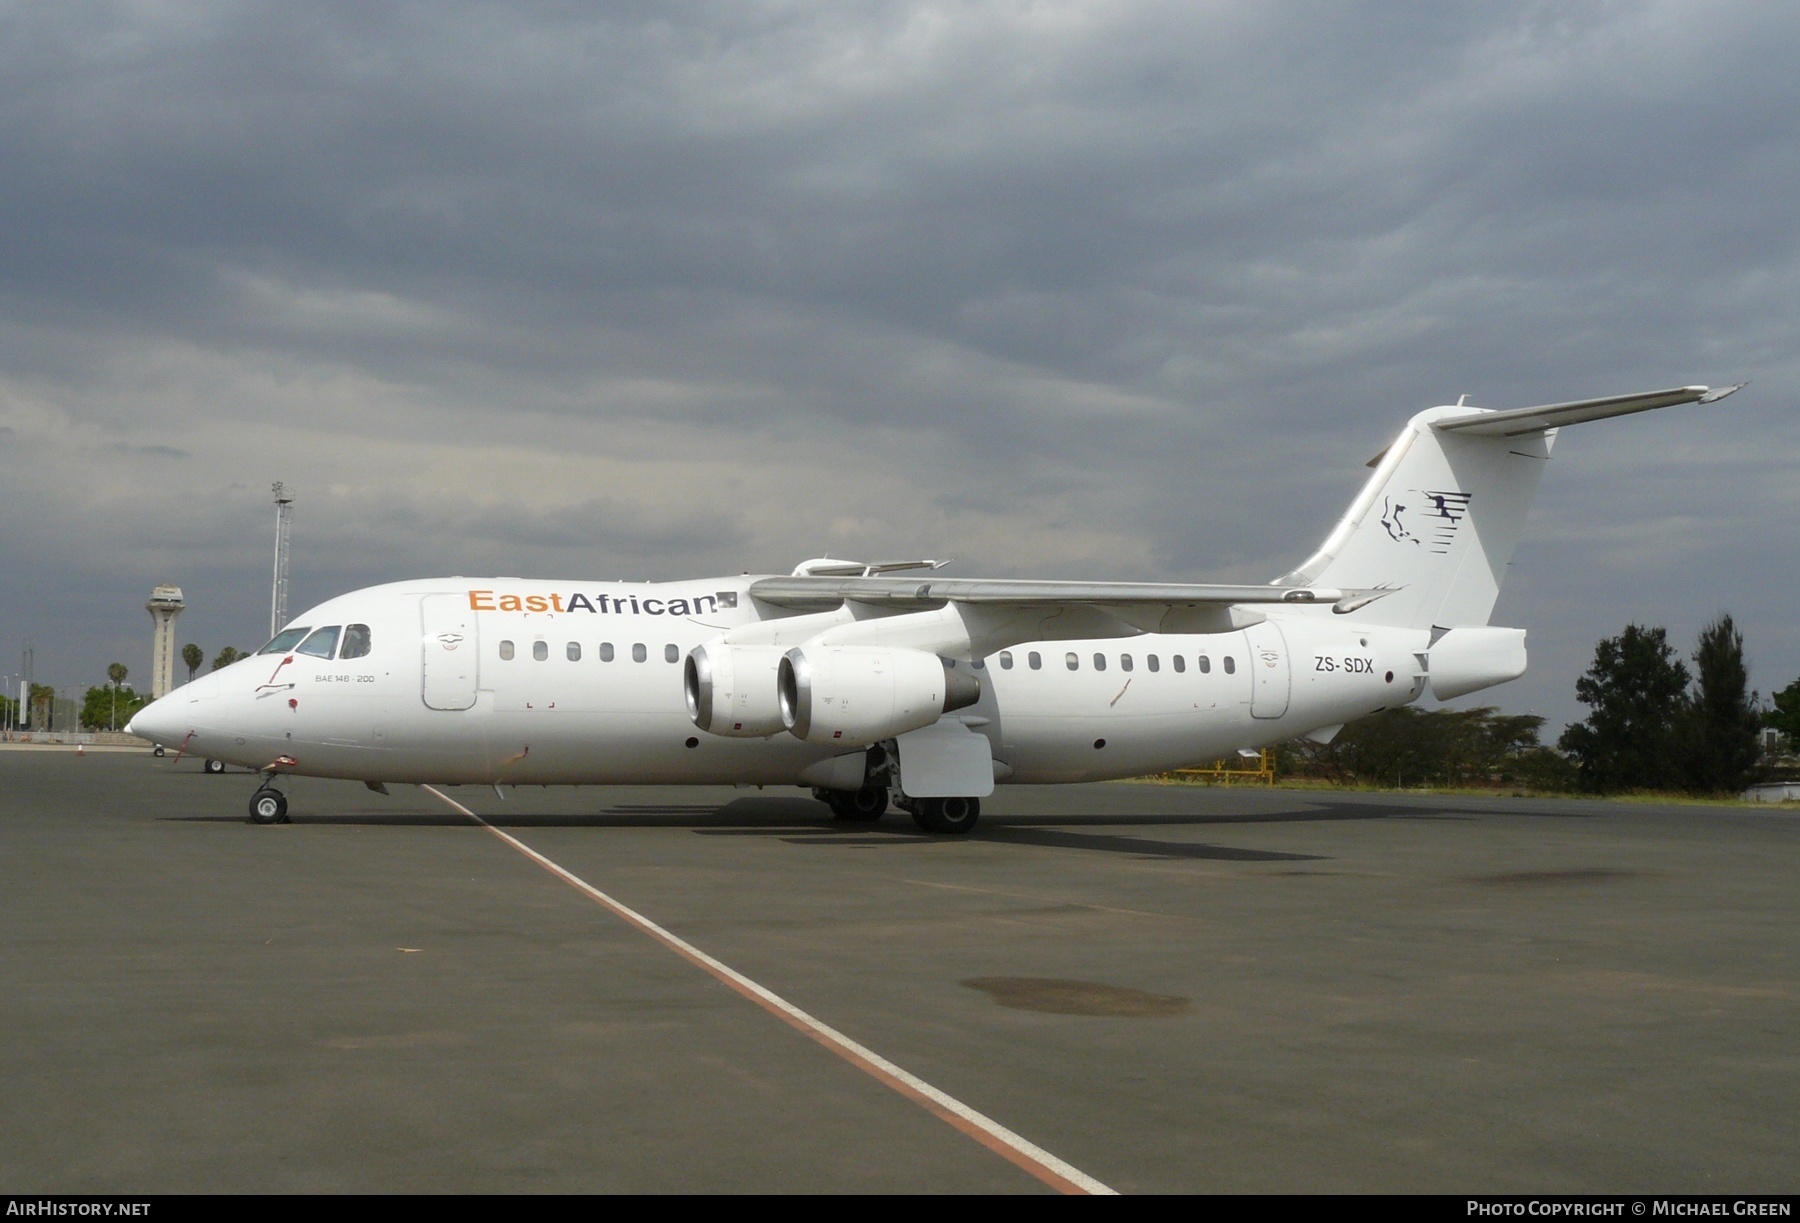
(1516, 421)
(815, 593)
(825, 566)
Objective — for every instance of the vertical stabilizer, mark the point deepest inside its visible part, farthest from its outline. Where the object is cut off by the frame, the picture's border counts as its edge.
(1438, 520)
(1436, 523)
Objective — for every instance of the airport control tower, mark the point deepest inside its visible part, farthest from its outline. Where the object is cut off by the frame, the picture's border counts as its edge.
(165, 604)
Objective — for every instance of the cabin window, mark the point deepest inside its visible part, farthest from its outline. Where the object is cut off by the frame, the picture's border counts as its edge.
(1180, 662)
(1074, 661)
(1230, 665)
(606, 651)
(1150, 660)
(979, 664)
(356, 641)
(1035, 661)
(285, 641)
(1099, 662)
(1006, 660)
(322, 643)
(1124, 662)
(671, 653)
(540, 649)
(1205, 665)
(573, 650)
(639, 653)
(506, 651)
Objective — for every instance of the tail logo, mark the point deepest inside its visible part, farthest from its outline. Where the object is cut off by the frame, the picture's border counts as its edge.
(1447, 511)
(1443, 513)
(1390, 519)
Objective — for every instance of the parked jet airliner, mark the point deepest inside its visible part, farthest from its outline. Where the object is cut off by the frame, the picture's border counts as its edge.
(862, 684)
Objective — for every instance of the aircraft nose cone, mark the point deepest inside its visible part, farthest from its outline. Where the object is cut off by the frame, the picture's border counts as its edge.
(154, 721)
(170, 718)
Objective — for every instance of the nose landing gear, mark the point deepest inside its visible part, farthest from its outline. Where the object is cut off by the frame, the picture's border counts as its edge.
(268, 806)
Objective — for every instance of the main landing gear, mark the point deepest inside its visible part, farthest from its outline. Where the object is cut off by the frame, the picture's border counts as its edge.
(268, 806)
(949, 815)
(863, 806)
(942, 815)
(213, 766)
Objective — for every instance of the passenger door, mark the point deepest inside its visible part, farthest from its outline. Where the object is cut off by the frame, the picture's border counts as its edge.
(452, 652)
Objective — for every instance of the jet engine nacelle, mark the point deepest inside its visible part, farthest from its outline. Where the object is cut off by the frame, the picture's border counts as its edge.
(731, 690)
(851, 696)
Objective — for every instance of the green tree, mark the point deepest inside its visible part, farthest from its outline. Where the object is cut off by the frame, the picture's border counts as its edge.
(116, 673)
(193, 656)
(1478, 746)
(1636, 690)
(1719, 727)
(42, 698)
(108, 707)
(227, 656)
(1785, 716)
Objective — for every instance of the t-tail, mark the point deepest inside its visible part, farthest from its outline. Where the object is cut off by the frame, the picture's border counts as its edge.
(1437, 522)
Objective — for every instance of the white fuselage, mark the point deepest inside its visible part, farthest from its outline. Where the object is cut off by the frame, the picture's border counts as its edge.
(581, 683)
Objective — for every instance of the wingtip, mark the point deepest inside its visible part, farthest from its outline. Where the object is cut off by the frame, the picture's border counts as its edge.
(1722, 392)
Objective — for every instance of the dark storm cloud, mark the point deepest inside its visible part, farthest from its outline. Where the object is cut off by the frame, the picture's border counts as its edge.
(1104, 290)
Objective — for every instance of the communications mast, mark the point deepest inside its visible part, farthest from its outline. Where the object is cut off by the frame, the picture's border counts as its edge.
(278, 596)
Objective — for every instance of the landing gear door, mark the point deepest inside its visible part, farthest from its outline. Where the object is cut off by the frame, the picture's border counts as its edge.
(452, 652)
(945, 760)
(1271, 675)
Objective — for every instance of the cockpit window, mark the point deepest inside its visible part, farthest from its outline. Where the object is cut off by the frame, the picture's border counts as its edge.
(321, 643)
(285, 641)
(356, 641)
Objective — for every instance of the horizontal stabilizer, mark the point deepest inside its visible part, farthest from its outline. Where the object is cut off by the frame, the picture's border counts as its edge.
(1516, 421)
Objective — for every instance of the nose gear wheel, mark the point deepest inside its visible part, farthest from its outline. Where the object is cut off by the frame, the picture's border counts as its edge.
(268, 806)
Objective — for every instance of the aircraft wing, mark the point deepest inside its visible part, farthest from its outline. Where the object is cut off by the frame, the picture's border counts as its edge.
(1515, 421)
(819, 593)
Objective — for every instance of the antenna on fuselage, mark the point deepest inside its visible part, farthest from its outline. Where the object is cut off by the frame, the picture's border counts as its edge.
(284, 501)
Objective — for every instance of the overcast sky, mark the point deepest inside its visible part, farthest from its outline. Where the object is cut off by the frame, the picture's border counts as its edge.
(1092, 290)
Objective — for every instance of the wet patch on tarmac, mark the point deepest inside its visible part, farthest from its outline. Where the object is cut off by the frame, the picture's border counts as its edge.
(1530, 879)
(1055, 996)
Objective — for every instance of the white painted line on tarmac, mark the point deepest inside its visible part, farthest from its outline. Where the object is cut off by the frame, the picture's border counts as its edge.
(1058, 1174)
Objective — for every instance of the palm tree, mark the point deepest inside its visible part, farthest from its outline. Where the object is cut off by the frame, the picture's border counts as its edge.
(193, 656)
(116, 672)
